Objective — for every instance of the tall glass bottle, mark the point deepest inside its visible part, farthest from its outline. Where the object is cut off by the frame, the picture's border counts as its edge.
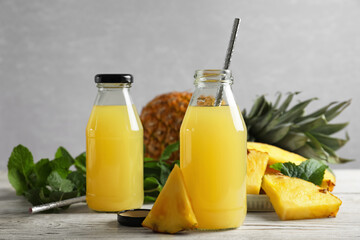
(114, 147)
(213, 152)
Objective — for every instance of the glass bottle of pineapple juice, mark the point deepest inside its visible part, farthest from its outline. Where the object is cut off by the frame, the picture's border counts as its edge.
(114, 147)
(213, 153)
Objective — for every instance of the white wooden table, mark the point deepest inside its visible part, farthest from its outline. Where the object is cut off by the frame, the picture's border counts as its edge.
(80, 222)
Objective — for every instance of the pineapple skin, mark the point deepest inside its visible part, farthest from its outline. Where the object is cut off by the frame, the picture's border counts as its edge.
(256, 165)
(278, 155)
(161, 119)
(294, 198)
(172, 211)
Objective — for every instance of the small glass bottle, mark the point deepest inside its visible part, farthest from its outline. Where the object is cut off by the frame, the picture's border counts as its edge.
(213, 152)
(114, 147)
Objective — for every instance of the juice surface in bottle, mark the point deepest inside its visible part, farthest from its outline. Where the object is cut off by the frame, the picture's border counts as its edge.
(114, 151)
(213, 154)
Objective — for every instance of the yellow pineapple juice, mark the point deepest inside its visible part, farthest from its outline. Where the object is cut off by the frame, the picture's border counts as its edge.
(213, 161)
(114, 164)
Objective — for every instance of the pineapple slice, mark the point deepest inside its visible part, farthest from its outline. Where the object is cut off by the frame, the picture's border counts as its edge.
(256, 166)
(280, 155)
(172, 211)
(294, 198)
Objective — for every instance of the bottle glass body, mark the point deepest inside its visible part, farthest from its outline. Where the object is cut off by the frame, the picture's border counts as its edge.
(213, 152)
(114, 151)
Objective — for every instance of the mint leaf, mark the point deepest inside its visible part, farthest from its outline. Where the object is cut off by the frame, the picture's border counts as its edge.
(157, 172)
(169, 150)
(151, 169)
(80, 162)
(310, 170)
(148, 159)
(57, 183)
(164, 172)
(42, 171)
(292, 170)
(79, 180)
(314, 170)
(277, 166)
(17, 180)
(63, 153)
(47, 181)
(149, 199)
(61, 165)
(152, 184)
(20, 166)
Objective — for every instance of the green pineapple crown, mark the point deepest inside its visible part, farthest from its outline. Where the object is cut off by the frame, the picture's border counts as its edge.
(308, 135)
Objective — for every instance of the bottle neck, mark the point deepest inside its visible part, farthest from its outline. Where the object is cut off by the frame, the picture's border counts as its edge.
(213, 77)
(112, 86)
(113, 94)
(209, 84)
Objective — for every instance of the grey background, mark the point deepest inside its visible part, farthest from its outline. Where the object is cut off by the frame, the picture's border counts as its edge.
(51, 50)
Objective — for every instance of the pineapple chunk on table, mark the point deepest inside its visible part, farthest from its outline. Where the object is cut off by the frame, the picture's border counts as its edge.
(294, 198)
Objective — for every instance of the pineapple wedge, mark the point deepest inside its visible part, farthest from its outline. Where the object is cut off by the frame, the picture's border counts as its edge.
(172, 211)
(256, 166)
(280, 155)
(294, 198)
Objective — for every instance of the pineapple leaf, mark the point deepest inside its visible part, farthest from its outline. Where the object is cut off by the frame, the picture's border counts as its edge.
(329, 129)
(314, 142)
(315, 114)
(295, 112)
(262, 122)
(288, 116)
(276, 134)
(293, 141)
(336, 110)
(286, 103)
(257, 105)
(309, 151)
(264, 108)
(332, 157)
(309, 124)
(345, 160)
(277, 101)
(333, 143)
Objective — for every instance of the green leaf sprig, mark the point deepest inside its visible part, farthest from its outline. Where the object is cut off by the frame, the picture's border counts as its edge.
(156, 173)
(310, 170)
(52, 180)
(47, 180)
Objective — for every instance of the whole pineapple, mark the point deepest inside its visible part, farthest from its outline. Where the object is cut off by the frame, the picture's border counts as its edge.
(272, 123)
(162, 118)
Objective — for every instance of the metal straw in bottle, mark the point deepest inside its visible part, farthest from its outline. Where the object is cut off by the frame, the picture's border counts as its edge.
(229, 52)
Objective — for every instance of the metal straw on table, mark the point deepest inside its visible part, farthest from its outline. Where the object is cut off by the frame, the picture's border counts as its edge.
(48, 206)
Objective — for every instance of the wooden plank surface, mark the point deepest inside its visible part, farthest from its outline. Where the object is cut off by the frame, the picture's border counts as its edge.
(80, 222)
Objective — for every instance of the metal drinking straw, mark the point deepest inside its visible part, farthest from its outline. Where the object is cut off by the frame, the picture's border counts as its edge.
(229, 52)
(52, 205)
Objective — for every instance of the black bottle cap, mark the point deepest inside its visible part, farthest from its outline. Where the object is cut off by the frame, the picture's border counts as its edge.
(132, 218)
(114, 78)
